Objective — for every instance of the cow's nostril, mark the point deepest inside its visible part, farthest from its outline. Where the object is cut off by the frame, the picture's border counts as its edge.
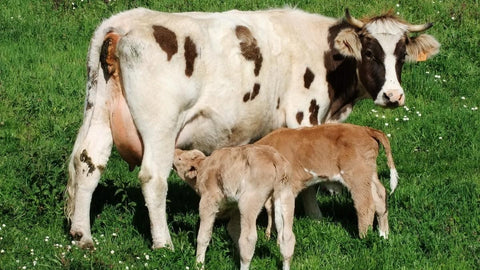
(387, 96)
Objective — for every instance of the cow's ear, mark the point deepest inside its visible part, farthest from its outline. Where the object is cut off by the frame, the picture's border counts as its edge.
(348, 43)
(421, 48)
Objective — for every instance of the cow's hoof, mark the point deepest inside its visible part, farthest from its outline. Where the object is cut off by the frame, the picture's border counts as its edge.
(86, 244)
(81, 241)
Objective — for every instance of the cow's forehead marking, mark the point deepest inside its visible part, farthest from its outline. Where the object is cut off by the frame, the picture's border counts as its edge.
(249, 48)
(166, 39)
(388, 32)
(190, 55)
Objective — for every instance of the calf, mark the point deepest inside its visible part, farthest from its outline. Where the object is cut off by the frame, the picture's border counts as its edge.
(242, 178)
(339, 153)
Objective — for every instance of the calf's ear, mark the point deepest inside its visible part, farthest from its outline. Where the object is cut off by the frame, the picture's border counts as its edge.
(348, 43)
(421, 47)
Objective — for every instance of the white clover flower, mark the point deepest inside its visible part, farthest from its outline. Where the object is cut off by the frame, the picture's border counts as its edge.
(396, 118)
(474, 108)
(2, 251)
(112, 251)
(398, 5)
(34, 263)
(114, 234)
(386, 124)
(147, 257)
(427, 72)
(373, 110)
(437, 77)
(463, 98)
(389, 135)
(440, 138)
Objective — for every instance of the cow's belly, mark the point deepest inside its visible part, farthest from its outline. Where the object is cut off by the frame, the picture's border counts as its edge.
(207, 129)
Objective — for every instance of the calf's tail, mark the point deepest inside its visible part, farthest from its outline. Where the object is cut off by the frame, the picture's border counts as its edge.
(382, 138)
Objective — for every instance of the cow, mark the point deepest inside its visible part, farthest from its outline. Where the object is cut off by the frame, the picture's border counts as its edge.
(156, 81)
(239, 180)
(338, 154)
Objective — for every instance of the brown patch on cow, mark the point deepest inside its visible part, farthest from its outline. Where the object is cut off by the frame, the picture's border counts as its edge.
(246, 97)
(249, 48)
(166, 39)
(256, 90)
(108, 59)
(190, 55)
(308, 78)
(85, 158)
(299, 117)
(314, 108)
(278, 103)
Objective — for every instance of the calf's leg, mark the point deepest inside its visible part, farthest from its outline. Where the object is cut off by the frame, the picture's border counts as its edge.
(380, 199)
(249, 206)
(207, 210)
(284, 210)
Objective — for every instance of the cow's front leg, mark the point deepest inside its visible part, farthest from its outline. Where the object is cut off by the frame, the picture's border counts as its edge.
(156, 166)
(309, 200)
(89, 157)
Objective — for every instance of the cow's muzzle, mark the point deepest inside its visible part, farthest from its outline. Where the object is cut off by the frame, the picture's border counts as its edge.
(393, 98)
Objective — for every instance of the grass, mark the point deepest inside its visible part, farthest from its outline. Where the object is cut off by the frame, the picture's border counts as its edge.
(434, 214)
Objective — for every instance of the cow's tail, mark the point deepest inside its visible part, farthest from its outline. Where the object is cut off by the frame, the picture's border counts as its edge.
(95, 105)
(382, 138)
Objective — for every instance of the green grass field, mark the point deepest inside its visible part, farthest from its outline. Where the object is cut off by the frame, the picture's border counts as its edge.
(434, 213)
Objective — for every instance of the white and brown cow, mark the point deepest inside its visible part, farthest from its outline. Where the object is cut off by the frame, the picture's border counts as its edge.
(208, 80)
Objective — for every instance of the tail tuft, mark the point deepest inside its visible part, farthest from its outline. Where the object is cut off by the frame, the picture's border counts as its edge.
(393, 180)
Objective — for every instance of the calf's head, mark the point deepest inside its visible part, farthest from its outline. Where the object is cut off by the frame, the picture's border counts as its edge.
(187, 164)
(380, 46)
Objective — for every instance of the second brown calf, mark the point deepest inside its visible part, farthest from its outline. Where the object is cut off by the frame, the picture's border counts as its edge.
(339, 153)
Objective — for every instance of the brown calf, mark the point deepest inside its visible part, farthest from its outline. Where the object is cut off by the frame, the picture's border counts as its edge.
(341, 153)
(244, 177)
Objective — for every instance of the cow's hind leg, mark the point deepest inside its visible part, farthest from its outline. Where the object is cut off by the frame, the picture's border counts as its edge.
(380, 199)
(89, 157)
(309, 200)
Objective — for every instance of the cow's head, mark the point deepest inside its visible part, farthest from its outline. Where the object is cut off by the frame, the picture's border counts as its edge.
(381, 45)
